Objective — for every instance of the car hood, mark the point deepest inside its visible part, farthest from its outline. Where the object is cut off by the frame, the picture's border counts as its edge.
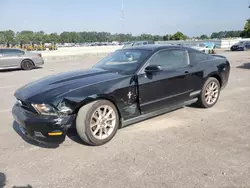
(51, 87)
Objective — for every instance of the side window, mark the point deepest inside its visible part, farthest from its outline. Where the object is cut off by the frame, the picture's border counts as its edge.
(197, 57)
(170, 59)
(12, 51)
(18, 51)
(7, 52)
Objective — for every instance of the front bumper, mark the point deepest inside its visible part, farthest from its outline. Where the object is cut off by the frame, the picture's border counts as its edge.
(38, 61)
(41, 62)
(38, 127)
(237, 48)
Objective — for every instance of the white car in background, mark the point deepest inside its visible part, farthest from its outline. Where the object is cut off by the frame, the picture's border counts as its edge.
(204, 47)
(136, 43)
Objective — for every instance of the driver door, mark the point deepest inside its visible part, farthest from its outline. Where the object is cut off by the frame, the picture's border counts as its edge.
(167, 87)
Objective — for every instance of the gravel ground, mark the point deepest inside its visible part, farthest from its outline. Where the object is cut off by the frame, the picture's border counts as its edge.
(188, 147)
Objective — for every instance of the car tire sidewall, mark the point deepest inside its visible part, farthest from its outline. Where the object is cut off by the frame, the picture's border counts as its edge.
(91, 139)
(27, 61)
(208, 81)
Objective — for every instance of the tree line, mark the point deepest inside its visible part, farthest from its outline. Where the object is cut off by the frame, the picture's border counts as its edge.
(246, 32)
(26, 36)
(10, 36)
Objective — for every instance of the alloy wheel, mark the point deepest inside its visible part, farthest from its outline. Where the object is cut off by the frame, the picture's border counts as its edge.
(211, 93)
(103, 122)
(27, 65)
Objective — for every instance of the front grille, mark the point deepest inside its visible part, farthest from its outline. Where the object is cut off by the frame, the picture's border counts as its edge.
(26, 106)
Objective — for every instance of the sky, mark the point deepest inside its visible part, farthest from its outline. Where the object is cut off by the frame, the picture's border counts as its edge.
(192, 17)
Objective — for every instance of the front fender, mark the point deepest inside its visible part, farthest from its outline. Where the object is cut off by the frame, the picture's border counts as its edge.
(115, 91)
(75, 103)
(95, 97)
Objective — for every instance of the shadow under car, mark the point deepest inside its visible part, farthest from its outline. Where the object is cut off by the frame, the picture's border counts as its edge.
(244, 66)
(16, 69)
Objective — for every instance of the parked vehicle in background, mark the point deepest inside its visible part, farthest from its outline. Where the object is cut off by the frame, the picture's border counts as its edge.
(33, 47)
(137, 43)
(17, 58)
(127, 86)
(204, 47)
(241, 46)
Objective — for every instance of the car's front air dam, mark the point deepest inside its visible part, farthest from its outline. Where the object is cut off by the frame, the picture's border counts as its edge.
(42, 128)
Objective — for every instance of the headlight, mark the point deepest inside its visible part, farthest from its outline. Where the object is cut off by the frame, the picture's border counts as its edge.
(44, 109)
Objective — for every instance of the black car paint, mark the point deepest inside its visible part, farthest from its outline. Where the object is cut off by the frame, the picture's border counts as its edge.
(150, 93)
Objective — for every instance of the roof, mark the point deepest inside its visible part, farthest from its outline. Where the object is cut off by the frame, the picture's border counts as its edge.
(156, 47)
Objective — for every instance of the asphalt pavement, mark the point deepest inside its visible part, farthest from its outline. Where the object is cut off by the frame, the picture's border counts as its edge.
(189, 147)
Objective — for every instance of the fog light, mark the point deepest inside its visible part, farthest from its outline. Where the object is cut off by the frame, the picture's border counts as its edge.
(39, 134)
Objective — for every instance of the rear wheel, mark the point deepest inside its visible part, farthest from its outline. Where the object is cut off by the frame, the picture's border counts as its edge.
(97, 122)
(210, 93)
(27, 65)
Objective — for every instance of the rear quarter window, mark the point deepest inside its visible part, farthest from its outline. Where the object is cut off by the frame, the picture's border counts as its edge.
(197, 57)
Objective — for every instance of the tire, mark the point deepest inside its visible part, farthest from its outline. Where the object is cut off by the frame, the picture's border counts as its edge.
(202, 100)
(27, 65)
(87, 114)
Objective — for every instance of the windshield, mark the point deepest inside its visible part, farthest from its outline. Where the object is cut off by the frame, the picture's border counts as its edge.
(123, 61)
(242, 43)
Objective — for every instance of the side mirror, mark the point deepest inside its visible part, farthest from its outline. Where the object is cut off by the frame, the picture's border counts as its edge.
(153, 68)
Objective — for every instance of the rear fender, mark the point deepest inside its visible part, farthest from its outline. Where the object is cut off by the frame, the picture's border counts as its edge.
(215, 75)
(220, 56)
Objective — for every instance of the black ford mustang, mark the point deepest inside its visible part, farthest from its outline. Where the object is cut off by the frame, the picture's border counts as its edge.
(127, 86)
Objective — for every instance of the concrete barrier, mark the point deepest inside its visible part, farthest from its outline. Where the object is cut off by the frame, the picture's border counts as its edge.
(78, 52)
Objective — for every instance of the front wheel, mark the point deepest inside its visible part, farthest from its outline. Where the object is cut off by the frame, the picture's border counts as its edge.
(210, 93)
(97, 122)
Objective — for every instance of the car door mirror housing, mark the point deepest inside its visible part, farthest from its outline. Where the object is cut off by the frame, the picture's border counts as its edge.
(153, 68)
